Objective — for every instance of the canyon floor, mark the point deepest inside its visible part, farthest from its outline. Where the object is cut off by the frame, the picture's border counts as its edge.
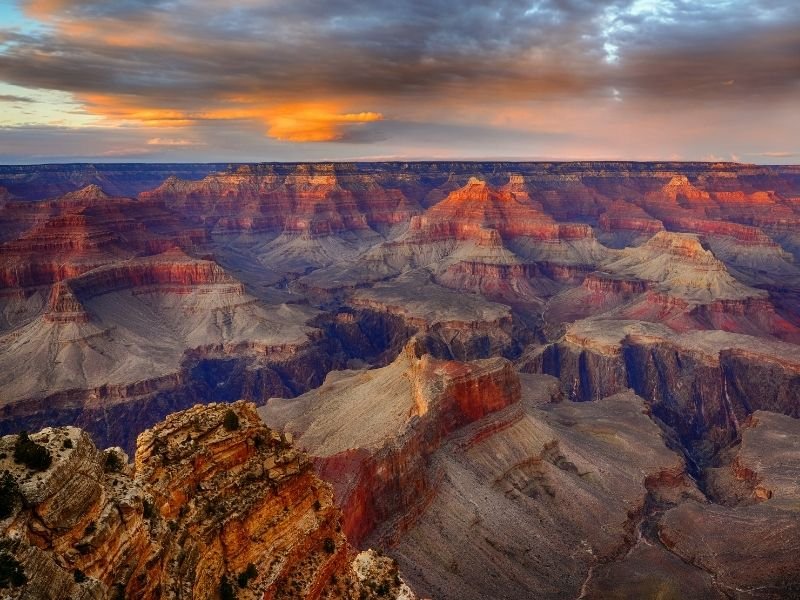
(516, 380)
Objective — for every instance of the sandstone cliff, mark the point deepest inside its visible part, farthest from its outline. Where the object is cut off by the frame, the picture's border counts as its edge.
(216, 505)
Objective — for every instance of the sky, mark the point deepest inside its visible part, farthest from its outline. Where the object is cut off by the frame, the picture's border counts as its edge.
(292, 80)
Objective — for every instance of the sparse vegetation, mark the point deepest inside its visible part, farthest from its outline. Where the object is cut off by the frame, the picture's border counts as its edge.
(113, 462)
(11, 572)
(317, 505)
(9, 492)
(32, 455)
(226, 590)
(244, 577)
(90, 528)
(230, 421)
(118, 591)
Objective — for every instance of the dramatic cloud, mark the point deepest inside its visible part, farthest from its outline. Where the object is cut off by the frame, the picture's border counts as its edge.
(306, 72)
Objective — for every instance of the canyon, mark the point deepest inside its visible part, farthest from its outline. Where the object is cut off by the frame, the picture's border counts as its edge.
(551, 380)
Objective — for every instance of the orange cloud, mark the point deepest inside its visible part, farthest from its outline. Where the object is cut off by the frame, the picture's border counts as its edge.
(313, 123)
(295, 122)
(119, 110)
(299, 122)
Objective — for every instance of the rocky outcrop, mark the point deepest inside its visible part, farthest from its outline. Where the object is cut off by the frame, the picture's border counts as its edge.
(215, 502)
(749, 542)
(309, 199)
(173, 270)
(379, 473)
(457, 325)
(701, 384)
(478, 206)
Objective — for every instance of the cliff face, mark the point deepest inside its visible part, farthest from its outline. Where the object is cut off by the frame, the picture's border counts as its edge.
(214, 499)
(750, 538)
(701, 384)
(82, 230)
(311, 199)
(381, 477)
(509, 210)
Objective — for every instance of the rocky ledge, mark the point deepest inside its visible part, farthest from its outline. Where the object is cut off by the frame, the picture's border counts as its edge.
(216, 505)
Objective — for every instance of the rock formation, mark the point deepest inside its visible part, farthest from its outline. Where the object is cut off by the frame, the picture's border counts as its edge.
(216, 505)
(650, 311)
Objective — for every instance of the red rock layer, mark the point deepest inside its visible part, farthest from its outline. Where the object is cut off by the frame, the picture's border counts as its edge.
(604, 283)
(203, 501)
(392, 485)
(309, 200)
(743, 234)
(469, 211)
(501, 281)
(173, 269)
(624, 216)
(83, 230)
(748, 315)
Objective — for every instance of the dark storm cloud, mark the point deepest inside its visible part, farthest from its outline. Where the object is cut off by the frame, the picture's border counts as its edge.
(358, 73)
(512, 48)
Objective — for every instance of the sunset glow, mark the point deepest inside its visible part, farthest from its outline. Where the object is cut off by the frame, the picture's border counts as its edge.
(643, 79)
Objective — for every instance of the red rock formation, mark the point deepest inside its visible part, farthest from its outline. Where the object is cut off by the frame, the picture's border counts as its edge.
(468, 211)
(311, 199)
(212, 492)
(173, 269)
(388, 483)
(64, 307)
(602, 284)
(496, 281)
(83, 230)
(625, 216)
(743, 234)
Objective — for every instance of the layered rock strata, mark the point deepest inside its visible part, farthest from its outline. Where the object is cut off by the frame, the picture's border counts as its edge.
(215, 505)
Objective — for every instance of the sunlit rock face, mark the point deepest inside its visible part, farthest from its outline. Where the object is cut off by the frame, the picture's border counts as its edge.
(380, 472)
(520, 379)
(211, 492)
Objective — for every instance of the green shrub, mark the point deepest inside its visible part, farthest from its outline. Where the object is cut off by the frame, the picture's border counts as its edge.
(79, 576)
(67, 443)
(329, 546)
(113, 463)
(32, 455)
(230, 421)
(226, 591)
(9, 492)
(245, 576)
